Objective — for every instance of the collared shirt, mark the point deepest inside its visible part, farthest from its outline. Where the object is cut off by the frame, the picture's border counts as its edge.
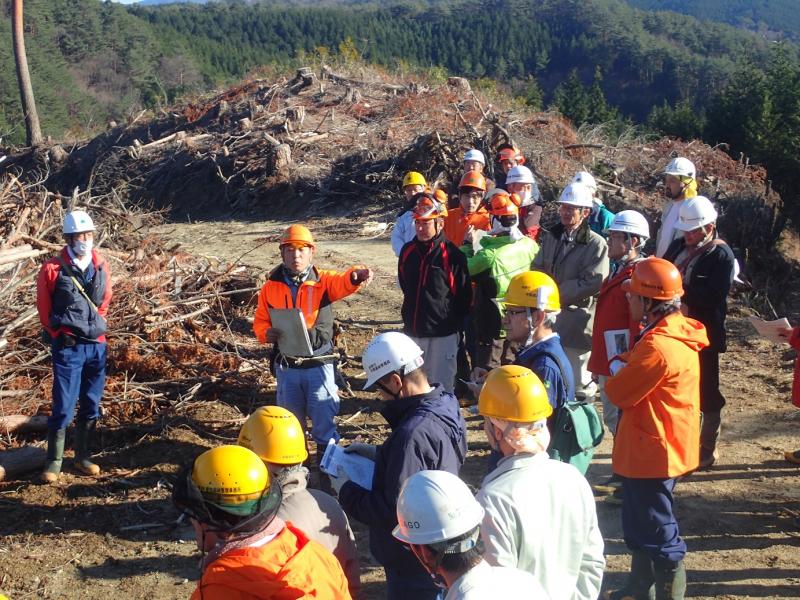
(485, 581)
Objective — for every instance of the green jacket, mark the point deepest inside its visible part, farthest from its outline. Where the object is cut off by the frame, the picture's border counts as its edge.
(492, 268)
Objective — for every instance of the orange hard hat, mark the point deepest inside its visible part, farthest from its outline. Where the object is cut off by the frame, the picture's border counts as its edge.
(297, 235)
(502, 205)
(428, 207)
(511, 154)
(655, 278)
(473, 179)
(441, 196)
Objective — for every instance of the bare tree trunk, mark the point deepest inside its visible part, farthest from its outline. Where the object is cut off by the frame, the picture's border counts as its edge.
(32, 130)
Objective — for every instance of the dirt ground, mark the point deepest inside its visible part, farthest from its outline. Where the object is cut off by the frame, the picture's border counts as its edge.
(89, 538)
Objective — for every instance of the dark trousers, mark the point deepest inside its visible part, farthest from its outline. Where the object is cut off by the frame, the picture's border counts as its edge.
(79, 377)
(711, 399)
(648, 522)
(402, 586)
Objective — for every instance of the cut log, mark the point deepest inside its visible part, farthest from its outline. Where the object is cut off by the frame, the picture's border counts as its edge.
(282, 161)
(460, 84)
(22, 424)
(21, 460)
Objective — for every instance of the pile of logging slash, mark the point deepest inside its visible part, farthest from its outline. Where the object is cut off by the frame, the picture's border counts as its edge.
(178, 325)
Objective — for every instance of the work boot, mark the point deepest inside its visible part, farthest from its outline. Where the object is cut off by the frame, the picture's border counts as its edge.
(670, 579)
(84, 431)
(640, 580)
(709, 434)
(792, 456)
(55, 455)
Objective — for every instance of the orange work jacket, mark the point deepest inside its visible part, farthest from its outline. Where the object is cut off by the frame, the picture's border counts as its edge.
(289, 566)
(658, 435)
(456, 223)
(320, 289)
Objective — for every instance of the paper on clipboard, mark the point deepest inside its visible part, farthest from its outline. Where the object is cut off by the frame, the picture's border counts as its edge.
(359, 469)
(618, 341)
(770, 329)
(294, 340)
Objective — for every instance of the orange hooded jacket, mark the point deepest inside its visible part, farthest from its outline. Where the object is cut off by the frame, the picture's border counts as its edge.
(659, 393)
(287, 567)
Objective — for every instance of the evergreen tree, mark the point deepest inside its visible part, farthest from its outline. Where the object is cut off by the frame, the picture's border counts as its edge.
(571, 99)
(599, 110)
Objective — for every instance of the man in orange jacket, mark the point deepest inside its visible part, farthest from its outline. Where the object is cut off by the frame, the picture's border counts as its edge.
(656, 385)
(73, 292)
(249, 552)
(306, 385)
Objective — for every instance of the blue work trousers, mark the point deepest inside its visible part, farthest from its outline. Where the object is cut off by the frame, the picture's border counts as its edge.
(310, 392)
(648, 523)
(402, 586)
(79, 376)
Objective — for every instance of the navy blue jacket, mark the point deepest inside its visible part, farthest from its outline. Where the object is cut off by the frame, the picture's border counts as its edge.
(539, 359)
(428, 432)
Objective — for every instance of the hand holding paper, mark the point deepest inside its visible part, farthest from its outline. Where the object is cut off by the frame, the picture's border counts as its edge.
(772, 330)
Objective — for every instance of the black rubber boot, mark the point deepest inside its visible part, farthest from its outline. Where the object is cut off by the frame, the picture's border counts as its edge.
(84, 431)
(324, 481)
(55, 455)
(709, 435)
(670, 579)
(640, 580)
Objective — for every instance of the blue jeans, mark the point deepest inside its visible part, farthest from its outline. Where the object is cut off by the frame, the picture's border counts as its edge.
(648, 522)
(79, 376)
(310, 392)
(402, 586)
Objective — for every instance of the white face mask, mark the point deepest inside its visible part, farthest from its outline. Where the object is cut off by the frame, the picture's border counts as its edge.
(82, 248)
(525, 198)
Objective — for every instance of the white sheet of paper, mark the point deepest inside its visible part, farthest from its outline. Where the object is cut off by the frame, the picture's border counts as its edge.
(770, 329)
(618, 341)
(294, 340)
(358, 468)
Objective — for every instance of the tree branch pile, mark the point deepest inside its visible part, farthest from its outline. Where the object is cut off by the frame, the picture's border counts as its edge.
(178, 328)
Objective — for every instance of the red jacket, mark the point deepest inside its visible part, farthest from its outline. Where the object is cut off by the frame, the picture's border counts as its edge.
(795, 342)
(659, 393)
(46, 285)
(288, 567)
(611, 313)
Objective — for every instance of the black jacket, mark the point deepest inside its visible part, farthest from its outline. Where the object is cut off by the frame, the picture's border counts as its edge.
(428, 432)
(706, 283)
(436, 287)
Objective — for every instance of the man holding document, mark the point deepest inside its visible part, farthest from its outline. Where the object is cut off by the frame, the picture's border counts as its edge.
(428, 433)
(303, 358)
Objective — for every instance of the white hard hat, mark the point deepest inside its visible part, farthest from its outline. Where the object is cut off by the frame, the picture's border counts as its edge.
(519, 174)
(389, 352)
(680, 167)
(695, 212)
(434, 507)
(475, 155)
(632, 222)
(77, 221)
(586, 179)
(576, 194)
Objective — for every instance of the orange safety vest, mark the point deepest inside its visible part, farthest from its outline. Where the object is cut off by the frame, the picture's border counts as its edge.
(288, 567)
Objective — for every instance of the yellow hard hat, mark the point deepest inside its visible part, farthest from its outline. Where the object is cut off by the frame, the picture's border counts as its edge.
(276, 435)
(414, 178)
(514, 393)
(533, 289)
(231, 477)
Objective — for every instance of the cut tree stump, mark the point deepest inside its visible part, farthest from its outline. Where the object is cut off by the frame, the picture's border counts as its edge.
(22, 424)
(21, 460)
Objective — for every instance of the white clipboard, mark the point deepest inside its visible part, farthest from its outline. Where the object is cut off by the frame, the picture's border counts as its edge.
(294, 340)
(618, 341)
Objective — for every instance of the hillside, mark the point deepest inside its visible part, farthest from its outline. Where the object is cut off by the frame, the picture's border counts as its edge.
(774, 19)
(92, 61)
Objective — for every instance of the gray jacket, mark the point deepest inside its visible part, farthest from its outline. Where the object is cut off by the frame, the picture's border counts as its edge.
(579, 268)
(320, 517)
